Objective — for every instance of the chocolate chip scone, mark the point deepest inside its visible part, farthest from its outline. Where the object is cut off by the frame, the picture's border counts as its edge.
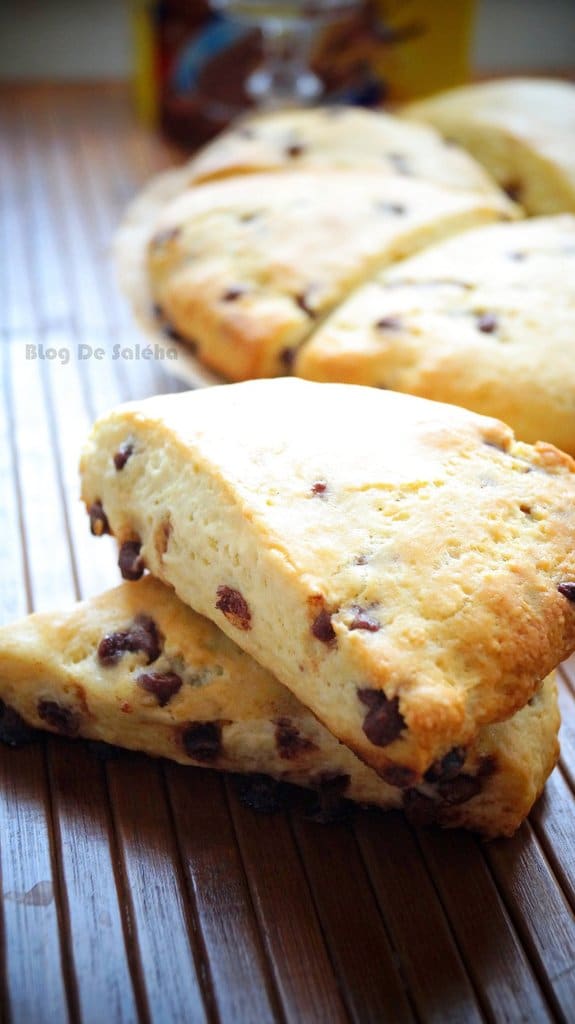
(243, 268)
(522, 130)
(484, 320)
(405, 568)
(136, 668)
(348, 138)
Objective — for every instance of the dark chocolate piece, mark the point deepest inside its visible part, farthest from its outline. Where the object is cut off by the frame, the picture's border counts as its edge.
(163, 685)
(99, 524)
(65, 720)
(203, 741)
(142, 635)
(235, 607)
(322, 628)
(290, 742)
(123, 454)
(384, 721)
(447, 767)
(130, 561)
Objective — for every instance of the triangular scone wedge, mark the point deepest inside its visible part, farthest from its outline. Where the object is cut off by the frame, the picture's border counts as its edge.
(242, 268)
(136, 668)
(484, 320)
(521, 129)
(338, 138)
(404, 567)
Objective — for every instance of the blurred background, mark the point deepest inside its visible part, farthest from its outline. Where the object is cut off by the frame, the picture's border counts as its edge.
(189, 60)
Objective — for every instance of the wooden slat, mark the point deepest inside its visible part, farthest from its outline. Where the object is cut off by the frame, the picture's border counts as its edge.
(438, 982)
(503, 976)
(540, 910)
(364, 960)
(35, 972)
(170, 969)
(302, 970)
(242, 981)
(87, 852)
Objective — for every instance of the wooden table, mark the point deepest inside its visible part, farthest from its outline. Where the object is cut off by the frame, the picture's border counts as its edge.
(140, 891)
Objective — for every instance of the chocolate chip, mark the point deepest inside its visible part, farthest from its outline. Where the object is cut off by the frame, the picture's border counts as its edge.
(123, 454)
(389, 323)
(487, 323)
(164, 237)
(294, 150)
(399, 163)
(448, 767)
(63, 719)
(203, 740)
(290, 742)
(99, 524)
(319, 487)
(363, 620)
(384, 721)
(130, 561)
(287, 358)
(331, 805)
(302, 300)
(260, 793)
(398, 775)
(567, 590)
(397, 209)
(249, 216)
(142, 636)
(14, 731)
(234, 607)
(420, 810)
(460, 789)
(233, 294)
(163, 685)
(322, 628)
(487, 765)
(514, 189)
(171, 332)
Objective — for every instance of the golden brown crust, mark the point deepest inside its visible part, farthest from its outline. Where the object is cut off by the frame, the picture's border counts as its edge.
(323, 504)
(136, 668)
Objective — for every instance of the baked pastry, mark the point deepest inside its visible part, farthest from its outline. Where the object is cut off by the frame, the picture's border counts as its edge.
(404, 567)
(485, 320)
(242, 268)
(337, 138)
(522, 130)
(136, 668)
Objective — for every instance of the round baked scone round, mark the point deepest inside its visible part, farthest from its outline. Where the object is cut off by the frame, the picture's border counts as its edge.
(522, 130)
(242, 268)
(406, 568)
(136, 668)
(485, 320)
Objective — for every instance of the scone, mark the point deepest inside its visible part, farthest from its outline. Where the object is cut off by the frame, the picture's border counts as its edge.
(404, 567)
(485, 320)
(136, 668)
(242, 268)
(332, 138)
(522, 130)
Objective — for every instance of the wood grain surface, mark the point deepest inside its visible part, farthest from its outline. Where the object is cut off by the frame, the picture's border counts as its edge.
(139, 891)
